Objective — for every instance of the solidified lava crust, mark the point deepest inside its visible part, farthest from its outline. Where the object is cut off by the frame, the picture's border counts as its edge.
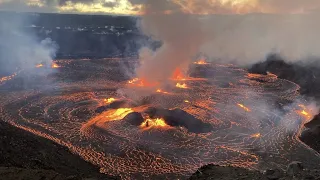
(224, 116)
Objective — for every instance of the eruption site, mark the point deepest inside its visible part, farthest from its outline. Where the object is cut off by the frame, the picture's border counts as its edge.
(165, 113)
(230, 117)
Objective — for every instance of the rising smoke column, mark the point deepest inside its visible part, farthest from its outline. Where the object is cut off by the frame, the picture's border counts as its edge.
(286, 28)
(180, 34)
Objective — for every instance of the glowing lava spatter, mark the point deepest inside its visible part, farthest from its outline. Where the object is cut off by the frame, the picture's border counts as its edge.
(304, 112)
(39, 65)
(244, 107)
(142, 83)
(163, 92)
(201, 62)
(257, 135)
(7, 78)
(178, 75)
(109, 100)
(54, 65)
(154, 123)
(182, 86)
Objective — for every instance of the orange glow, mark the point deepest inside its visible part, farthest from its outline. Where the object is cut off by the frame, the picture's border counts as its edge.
(133, 81)
(39, 65)
(201, 62)
(119, 114)
(54, 65)
(304, 112)
(244, 107)
(7, 78)
(160, 91)
(183, 86)
(177, 74)
(154, 123)
(186, 101)
(110, 100)
(257, 135)
(272, 75)
(142, 82)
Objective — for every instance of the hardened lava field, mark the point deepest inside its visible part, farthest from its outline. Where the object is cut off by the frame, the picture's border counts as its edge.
(139, 130)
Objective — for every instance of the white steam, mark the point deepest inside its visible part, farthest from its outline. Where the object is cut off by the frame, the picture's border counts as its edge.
(181, 36)
(244, 39)
(19, 46)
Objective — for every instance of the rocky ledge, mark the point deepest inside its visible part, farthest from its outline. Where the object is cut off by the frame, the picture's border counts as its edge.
(294, 171)
(29, 157)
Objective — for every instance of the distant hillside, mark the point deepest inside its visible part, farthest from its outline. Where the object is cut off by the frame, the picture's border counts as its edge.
(85, 36)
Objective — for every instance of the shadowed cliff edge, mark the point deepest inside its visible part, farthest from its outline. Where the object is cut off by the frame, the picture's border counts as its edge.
(30, 157)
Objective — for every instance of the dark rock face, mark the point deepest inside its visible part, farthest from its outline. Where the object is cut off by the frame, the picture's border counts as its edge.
(22, 151)
(294, 168)
(273, 174)
(134, 118)
(295, 171)
(225, 173)
(311, 137)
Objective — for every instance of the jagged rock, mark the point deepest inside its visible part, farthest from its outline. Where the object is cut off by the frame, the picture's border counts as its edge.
(273, 174)
(294, 168)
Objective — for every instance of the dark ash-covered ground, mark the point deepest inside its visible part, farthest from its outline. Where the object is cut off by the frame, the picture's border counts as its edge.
(30, 157)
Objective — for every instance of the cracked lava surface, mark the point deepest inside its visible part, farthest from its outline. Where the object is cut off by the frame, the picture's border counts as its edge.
(219, 114)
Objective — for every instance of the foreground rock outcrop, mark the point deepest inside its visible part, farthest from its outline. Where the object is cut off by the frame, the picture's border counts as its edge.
(294, 171)
(29, 157)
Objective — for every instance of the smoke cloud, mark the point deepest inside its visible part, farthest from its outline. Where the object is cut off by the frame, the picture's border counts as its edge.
(242, 39)
(180, 34)
(19, 46)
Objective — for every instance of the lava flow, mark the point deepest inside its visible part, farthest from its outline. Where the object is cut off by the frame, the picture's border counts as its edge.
(183, 86)
(54, 65)
(244, 107)
(201, 62)
(167, 133)
(142, 83)
(7, 78)
(153, 123)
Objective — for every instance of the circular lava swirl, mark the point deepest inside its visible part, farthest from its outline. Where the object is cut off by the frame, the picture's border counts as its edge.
(220, 114)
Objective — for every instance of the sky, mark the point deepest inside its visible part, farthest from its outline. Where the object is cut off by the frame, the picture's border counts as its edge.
(134, 7)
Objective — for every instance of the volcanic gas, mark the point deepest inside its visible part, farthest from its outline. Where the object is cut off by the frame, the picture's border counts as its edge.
(225, 116)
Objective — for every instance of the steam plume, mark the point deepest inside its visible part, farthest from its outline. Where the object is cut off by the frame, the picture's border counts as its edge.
(180, 34)
(19, 47)
(244, 39)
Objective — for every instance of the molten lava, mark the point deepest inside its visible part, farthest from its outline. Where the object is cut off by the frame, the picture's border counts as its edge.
(118, 114)
(163, 92)
(7, 78)
(244, 107)
(304, 112)
(109, 100)
(178, 75)
(257, 135)
(142, 83)
(201, 62)
(39, 65)
(154, 123)
(183, 86)
(54, 65)
(133, 81)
